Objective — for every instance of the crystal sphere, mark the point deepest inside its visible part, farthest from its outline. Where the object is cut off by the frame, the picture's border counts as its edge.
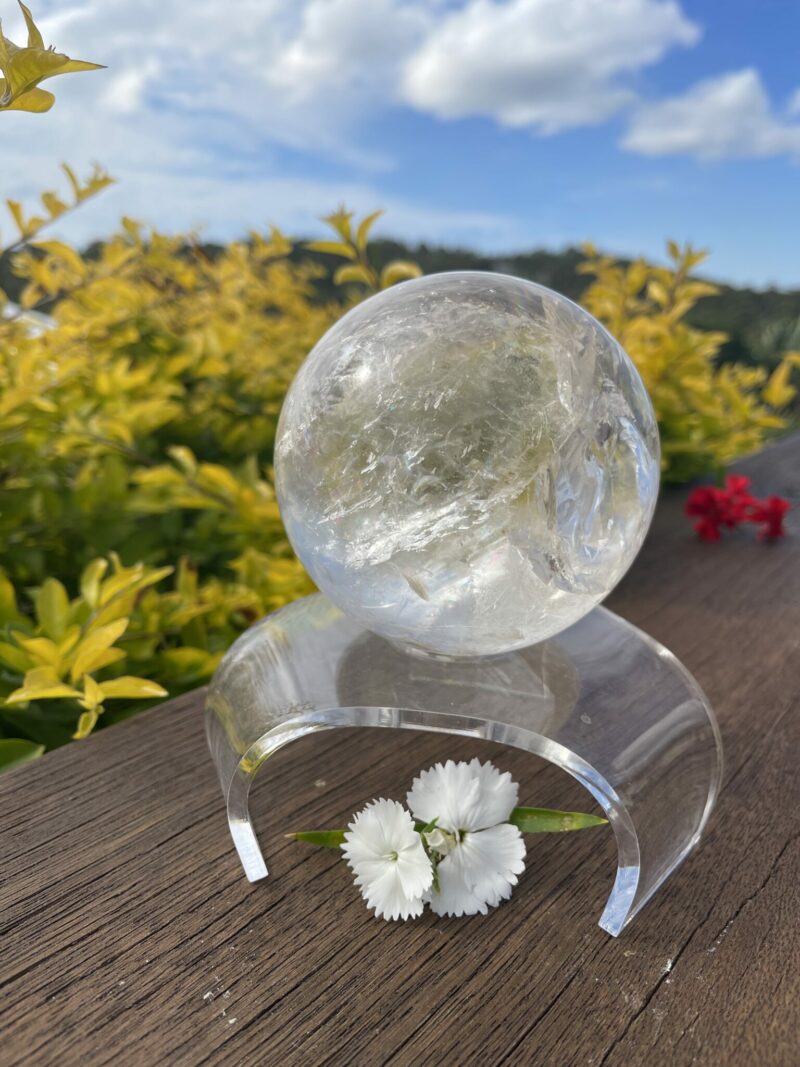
(467, 463)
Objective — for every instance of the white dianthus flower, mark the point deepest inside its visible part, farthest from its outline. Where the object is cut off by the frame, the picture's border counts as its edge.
(386, 855)
(484, 854)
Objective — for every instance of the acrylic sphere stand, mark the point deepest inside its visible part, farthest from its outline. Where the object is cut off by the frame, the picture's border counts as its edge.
(601, 700)
(466, 464)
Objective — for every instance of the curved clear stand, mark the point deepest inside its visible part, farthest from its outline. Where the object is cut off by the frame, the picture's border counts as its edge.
(601, 700)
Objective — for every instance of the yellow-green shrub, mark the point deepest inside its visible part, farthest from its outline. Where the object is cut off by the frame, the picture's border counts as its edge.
(137, 430)
(138, 519)
(708, 414)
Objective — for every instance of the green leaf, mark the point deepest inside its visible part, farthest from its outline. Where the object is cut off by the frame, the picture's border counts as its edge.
(545, 820)
(14, 751)
(8, 601)
(50, 723)
(323, 838)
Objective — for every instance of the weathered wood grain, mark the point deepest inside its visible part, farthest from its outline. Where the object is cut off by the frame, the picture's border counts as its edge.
(129, 934)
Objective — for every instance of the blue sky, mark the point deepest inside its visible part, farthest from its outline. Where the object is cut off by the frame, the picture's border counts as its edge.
(497, 124)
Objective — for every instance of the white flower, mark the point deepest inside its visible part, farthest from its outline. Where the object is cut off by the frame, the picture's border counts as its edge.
(484, 854)
(386, 855)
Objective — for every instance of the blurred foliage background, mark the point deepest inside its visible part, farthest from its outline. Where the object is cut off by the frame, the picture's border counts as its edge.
(140, 386)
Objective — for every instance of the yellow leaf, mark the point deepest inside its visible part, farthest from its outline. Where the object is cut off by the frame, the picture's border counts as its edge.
(778, 392)
(72, 178)
(42, 683)
(53, 205)
(92, 694)
(185, 459)
(24, 68)
(63, 252)
(362, 233)
(399, 270)
(86, 723)
(126, 581)
(94, 645)
(69, 641)
(339, 220)
(52, 608)
(41, 648)
(351, 272)
(14, 658)
(34, 37)
(657, 291)
(36, 101)
(333, 248)
(132, 688)
(111, 655)
(90, 581)
(15, 209)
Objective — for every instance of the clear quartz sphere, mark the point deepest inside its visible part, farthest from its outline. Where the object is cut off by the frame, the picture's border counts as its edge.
(467, 463)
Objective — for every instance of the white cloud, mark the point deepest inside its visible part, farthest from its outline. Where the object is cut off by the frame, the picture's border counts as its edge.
(549, 64)
(126, 91)
(728, 117)
(349, 44)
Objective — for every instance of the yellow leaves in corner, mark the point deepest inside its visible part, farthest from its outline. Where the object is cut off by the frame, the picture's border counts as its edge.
(74, 640)
(708, 413)
(25, 67)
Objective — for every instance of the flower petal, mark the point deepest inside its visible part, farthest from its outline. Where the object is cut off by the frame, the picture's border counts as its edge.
(463, 796)
(455, 896)
(386, 854)
(493, 859)
(480, 872)
(387, 895)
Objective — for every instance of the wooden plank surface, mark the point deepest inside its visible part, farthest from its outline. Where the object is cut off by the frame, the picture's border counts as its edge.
(129, 934)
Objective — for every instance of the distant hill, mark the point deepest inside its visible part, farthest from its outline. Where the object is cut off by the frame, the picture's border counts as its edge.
(761, 323)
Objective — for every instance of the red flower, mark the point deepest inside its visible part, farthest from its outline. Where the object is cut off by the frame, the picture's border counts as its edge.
(737, 500)
(715, 508)
(707, 504)
(708, 530)
(770, 512)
